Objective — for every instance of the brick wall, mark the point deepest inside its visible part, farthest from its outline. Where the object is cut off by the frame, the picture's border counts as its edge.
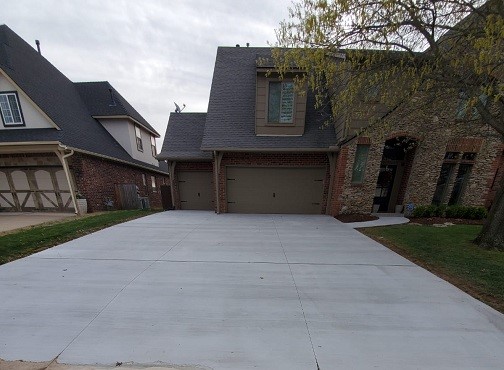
(271, 160)
(437, 132)
(188, 166)
(97, 177)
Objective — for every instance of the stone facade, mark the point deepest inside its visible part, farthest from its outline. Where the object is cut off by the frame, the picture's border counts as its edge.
(96, 177)
(436, 132)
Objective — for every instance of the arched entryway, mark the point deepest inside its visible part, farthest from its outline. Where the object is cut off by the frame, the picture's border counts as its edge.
(395, 168)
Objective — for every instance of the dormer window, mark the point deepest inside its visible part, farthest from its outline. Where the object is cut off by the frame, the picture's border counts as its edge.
(281, 102)
(138, 135)
(153, 145)
(10, 109)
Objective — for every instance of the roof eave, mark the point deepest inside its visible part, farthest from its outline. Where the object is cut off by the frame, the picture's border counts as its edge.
(152, 131)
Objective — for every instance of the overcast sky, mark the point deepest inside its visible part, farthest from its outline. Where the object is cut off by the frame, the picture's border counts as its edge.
(154, 52)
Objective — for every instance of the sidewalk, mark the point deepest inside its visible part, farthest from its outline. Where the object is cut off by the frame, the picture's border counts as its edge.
(16, 220)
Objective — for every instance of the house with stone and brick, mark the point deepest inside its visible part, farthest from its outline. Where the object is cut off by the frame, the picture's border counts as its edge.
(60, 139)
(263, 147)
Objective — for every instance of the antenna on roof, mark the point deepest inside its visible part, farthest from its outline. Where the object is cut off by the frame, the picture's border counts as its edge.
(177, 108)
(37, 42)
(112, 100)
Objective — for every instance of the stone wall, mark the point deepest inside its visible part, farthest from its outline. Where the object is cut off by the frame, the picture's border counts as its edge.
(437, 132)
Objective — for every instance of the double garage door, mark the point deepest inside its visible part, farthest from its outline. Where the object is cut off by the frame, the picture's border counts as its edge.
(274, 190)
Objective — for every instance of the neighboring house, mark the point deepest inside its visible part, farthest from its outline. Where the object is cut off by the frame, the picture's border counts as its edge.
(60, 139)
(263, 148)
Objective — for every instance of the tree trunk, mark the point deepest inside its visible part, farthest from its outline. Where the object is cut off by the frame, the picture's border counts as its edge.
(492, 235)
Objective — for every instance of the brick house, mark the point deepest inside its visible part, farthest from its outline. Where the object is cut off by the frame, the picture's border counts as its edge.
(59, 138)
(263, 148)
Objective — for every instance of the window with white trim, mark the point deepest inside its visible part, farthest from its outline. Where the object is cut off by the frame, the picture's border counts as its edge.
(153, 145)
(138, 135)
(153, 183)
(10, 109)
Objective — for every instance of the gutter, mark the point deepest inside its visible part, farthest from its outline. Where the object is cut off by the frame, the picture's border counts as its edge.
(64, 162)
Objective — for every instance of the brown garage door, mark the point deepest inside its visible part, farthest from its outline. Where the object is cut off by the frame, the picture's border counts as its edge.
(275, 190)
(196, 190)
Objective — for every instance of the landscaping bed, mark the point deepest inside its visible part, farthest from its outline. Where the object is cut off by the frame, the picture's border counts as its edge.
(442, 220)
(355, 217)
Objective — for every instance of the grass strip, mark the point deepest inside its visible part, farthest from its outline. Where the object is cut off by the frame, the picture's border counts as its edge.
(27, 241)
(450, 253)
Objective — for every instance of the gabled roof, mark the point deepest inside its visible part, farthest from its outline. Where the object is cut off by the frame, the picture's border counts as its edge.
(58, 98)
(230, 122)
(183, 138)
(100, 103)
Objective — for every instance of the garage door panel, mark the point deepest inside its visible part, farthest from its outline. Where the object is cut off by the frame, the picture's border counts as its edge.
(196, 190)
(275, 190)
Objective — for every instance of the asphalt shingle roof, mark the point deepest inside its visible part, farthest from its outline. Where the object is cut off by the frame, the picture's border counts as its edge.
(59, 98)
(183, 137)
(230, 119)
(96, 96)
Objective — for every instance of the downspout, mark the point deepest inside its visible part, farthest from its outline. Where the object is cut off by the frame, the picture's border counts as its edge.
(171, 172)
(217, 166)
(63, 159)
(332, 164)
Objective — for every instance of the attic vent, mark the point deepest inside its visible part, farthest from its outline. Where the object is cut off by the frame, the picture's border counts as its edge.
(112, 100)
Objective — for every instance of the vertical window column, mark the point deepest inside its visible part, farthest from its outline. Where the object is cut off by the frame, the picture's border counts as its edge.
(360, 162)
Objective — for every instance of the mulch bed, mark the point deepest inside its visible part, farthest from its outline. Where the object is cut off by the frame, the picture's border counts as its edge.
(355, 217)
(442, 220)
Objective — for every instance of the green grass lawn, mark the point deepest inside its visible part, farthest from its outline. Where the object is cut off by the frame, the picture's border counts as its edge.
(449, 253)
(27, 241)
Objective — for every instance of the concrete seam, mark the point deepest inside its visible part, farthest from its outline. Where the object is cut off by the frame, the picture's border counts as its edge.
(123, 288)
(299, 297)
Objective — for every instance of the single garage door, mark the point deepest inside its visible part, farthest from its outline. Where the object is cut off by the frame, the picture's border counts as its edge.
(275, 190)
(196, 190)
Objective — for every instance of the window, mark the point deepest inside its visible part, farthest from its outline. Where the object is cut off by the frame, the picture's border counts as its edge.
(10, 109)
(138, 135)
(153, 183)
(442, 183)
(463, 105)
(144, 180)
(359, 167)
(281, 102)
(461, 163)
(153, 145)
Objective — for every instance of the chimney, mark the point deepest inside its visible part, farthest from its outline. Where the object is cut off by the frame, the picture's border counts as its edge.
(37, 42)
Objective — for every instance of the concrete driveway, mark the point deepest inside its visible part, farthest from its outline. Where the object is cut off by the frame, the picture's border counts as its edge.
(240, 292)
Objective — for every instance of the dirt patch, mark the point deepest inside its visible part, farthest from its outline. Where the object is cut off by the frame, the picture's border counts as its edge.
(442, 220)
(355, 217)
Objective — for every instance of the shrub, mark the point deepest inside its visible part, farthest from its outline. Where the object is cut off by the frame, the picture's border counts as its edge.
(456, 212)
(476, 213)
(419, 211)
